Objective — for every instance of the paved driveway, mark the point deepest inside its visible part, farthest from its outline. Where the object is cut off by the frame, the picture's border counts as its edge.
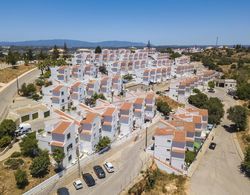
(218, 171)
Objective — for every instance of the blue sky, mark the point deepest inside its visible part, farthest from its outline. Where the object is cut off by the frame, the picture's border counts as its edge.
(161, 21)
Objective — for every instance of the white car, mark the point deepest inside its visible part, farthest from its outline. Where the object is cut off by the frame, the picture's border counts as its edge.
(78, 184)
(109, 167)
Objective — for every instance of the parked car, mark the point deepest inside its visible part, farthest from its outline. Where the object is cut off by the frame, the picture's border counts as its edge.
(212, 145)
(99, 171)
(109, 167)
(78, 184)
(89, 180)
(104, 149)
(23, 129)
(63, 191)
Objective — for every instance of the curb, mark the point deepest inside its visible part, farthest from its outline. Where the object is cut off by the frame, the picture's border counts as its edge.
(237, 145)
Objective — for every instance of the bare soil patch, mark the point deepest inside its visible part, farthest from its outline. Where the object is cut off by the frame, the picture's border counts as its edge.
(8, 74)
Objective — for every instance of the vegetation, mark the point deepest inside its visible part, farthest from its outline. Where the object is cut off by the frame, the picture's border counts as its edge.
(58, 156)
(238, 115)
(21, 178)
(40, 165)
(65, 51)
(128, 77)
(189, 157)
(163, 107)
(211, 85)
(212, 104)
(91, 101)
(14, 163)
(103, 70)
(15, 154)
(98, 49)
(55, 53)
(27, 90)
(7, 132)
(103, 143)
(245, 165)
(157, 182)
(29, 145)
(195, 90)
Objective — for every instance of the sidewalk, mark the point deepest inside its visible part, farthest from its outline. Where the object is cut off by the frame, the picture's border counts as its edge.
(15, 148)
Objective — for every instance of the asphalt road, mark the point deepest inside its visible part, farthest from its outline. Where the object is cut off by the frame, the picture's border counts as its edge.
(218, 171)
(127, 158)
(7, 93)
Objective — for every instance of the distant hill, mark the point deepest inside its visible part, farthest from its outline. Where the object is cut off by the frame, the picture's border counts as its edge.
(72, 43)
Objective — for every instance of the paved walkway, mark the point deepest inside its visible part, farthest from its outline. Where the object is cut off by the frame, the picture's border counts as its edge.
(15, 148)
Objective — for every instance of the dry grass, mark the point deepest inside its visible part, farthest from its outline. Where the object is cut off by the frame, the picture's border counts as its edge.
(164, 184)
(8, 74)
(172, 103)
(8, 187)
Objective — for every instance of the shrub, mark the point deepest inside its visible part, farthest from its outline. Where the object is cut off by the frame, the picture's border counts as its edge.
(14, 163)
(15, 154)
(40, 165)
(21, 178)
(5, 141)
(40, 82)
(36, 97)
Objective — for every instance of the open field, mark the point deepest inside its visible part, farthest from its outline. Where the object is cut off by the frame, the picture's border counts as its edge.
(9, 185)
(156, 182)
(8, 74)
(172, 103)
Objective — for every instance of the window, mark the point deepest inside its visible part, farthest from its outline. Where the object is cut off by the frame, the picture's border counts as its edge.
(25, 118)
(68, 136)
(76, 140)
(169, 141)
(62, 100)
(62, 93)
(168, 150)
(35, 115)
(70, 146)
(70, 158)
(46, 114)
(167, 159)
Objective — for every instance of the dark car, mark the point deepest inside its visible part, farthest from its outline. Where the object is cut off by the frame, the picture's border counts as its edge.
(63, 191)
(99, 171)
(212, 145)
(89, 180)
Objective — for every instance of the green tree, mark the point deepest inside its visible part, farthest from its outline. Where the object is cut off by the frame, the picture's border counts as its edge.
(198, 100)
(5, 141)
(128, 77)
(163, 107)
(40, 165)
(103, 143)
(21, 178)
(41, 55)
(7, 127)
(189, 157)
(238, 115)
(175, 55)
(243, 91)
(30, 55)
(31, 89)
(103, 70)
(215, 110)
(29, 145)
(11, 58)
(245, 165)
(42, 66)
(65, 51)
(196, 90)
(55, 53)
(211, 85)
(58, 156)
(98, 50)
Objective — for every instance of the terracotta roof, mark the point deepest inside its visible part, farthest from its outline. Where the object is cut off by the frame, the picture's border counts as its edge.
(197, 119)
(61, 127)
(139, 100)
(107, 123)
(89, 118)
(150, 96)
(164, 131)
(178, 150)
(126, 106)
(179, 136)
(57, 144)
(109, 112)
(77, 84)
(57, 88)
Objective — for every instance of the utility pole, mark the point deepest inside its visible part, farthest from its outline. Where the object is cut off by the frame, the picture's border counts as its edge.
(17, 85)
(146, 138)
(78, 160)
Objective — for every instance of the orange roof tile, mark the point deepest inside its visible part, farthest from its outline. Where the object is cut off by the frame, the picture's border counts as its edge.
(179, 136)
(61, 127)
(150, 96)
(139, 100)
(109, 112)
(57, 88)
(89, 118)
(126, 106)
(57, 144)
(164, 131)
